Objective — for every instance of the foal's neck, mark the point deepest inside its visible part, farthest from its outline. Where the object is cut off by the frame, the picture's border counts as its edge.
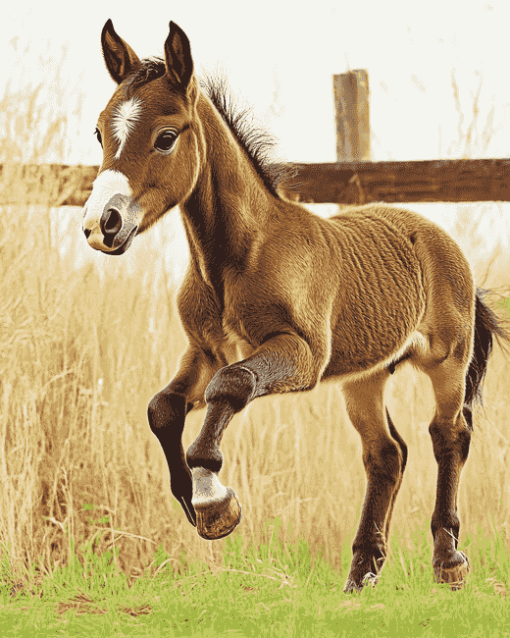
(229, 207)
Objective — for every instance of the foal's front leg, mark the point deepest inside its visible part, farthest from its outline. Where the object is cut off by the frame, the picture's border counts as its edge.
(167, 412)
(282, 364)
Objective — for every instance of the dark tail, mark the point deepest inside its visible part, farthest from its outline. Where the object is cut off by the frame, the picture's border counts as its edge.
(487, 325)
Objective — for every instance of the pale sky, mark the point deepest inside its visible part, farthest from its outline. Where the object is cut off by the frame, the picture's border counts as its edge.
(279, 57)
(289, 50)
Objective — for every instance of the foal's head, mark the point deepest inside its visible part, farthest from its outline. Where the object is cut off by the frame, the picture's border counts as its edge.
(150, 134)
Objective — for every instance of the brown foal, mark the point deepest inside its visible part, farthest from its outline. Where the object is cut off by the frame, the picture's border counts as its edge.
(276, 299)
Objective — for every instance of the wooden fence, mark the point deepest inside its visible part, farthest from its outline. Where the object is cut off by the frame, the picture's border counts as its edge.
(344, 182)
(337, 183)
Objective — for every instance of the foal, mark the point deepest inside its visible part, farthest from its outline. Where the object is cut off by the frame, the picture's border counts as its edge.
(276, 299)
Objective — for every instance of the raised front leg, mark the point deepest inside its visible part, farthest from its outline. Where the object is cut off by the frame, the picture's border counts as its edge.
(167, 412)
(284, 363)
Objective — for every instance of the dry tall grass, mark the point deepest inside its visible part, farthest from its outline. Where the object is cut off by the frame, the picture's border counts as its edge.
(81, 354)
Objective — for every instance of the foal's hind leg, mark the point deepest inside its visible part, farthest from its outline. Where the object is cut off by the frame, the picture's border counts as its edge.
(450, 431)
(384, 461)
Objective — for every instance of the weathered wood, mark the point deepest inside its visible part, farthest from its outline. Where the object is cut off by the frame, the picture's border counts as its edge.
(352, 116)
(342, 183)
(399, 182)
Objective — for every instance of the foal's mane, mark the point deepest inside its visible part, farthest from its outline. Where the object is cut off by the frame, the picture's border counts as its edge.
(257, 144)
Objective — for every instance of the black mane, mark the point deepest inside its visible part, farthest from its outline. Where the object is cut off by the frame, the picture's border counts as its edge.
(256, 144)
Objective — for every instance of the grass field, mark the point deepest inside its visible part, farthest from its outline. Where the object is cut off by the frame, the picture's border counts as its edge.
(274, 590)
(93, 542)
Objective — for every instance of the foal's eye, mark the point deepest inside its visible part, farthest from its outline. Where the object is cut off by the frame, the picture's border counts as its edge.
(165, 141)
(98, 135)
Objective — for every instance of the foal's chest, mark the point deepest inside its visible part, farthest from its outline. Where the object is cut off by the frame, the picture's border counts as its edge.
(220, 330)
(234, 347)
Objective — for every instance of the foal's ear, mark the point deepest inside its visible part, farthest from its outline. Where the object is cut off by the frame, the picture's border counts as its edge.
(179, 64)
(119, 57)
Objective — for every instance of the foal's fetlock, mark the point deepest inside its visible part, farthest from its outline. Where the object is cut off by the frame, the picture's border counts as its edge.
(217, 509)
(208, 457)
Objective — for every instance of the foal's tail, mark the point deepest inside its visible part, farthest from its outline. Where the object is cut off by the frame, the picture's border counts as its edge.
(487, 325)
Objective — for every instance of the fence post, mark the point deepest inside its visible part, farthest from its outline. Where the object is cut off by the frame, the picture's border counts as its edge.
(352, 116)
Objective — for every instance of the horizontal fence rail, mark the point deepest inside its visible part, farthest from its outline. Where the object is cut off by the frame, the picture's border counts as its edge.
(399, 182)
(478, 180)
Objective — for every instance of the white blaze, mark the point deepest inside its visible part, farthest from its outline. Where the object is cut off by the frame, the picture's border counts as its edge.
(126, 115)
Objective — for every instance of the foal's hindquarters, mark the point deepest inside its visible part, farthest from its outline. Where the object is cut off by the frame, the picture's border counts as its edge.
(441, 345)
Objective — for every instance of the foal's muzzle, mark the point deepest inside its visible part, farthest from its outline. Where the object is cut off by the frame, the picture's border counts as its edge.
(118, 223)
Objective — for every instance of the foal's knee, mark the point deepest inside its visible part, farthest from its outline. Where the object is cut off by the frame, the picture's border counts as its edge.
(164, 410)
(233, 385)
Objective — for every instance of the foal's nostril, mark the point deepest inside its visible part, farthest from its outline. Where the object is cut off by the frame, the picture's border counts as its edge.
(87, 232)
(111, 222)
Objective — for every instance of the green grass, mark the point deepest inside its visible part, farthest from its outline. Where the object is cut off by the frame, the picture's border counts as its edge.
(273, 590)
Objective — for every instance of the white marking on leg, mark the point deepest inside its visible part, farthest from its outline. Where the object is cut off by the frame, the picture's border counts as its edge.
(126, 115)
(207, 487)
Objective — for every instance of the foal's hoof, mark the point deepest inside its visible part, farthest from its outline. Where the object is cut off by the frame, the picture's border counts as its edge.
(453, 572)
(216, 506)
(219, 519)
(350, 587)
(369, 580)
